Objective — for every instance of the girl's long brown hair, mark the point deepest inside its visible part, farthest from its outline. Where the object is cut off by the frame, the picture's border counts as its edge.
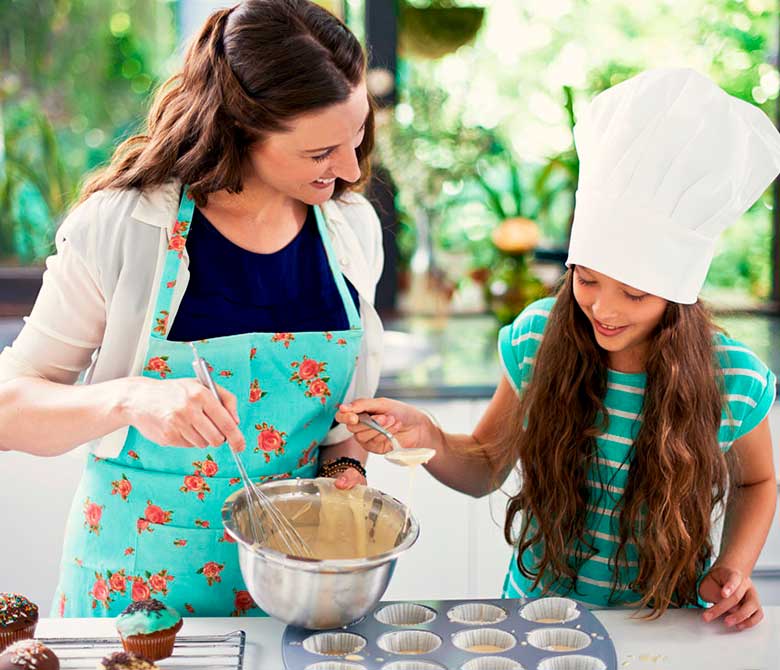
(250, 71)
(677, 473)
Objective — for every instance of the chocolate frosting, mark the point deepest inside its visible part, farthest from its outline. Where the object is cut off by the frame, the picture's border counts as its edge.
(29, 655)
(15, 608)
(150, 605)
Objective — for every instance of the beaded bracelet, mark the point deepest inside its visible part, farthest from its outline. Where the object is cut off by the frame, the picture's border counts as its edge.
(338, 465)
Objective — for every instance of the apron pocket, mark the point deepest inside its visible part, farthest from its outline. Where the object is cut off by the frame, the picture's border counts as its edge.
(194, 570)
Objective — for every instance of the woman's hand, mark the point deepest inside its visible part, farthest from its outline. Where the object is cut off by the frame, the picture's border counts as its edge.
(734, 595)
(181, 413)
(349, 479)
(409, 425)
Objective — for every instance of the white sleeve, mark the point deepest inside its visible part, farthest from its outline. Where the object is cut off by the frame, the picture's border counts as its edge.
(68, 319)
(366, 377)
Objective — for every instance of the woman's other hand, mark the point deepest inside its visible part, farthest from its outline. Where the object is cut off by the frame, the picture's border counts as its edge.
(349, 479)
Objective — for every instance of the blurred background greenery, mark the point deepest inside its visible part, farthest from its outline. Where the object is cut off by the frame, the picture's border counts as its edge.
(75, 79)
(487, 96)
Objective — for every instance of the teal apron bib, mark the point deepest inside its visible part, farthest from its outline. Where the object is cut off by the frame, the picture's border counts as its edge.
(148, 523)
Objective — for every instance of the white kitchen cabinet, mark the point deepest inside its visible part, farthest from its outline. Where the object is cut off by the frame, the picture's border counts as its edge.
(35, 495)
(460, 552)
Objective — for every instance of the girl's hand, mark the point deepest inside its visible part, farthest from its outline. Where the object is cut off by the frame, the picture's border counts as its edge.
(734, 595)
(409, 426)
(181, 413)
(349, 479)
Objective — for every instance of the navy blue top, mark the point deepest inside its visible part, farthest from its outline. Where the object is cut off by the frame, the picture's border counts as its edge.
(233, 291)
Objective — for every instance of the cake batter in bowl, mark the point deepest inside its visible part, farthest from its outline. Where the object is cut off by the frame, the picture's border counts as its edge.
(356, 537)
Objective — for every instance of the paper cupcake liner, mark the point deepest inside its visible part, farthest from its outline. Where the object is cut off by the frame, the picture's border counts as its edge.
(492, 663)
(476, 614)
(154, 646)
(334, 644)
(409, 642)
(558, 639)
(572, 663)
(335, 665)
(8, 637)
(405, 614)
(484, 640)
(413, 665)
(550, 611)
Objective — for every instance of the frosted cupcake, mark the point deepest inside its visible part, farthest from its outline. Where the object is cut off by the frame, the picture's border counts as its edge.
(148, 628)
(18, 618)
(28, 655)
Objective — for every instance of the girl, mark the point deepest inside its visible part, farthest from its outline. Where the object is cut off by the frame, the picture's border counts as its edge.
(231, 222)
(626, 410)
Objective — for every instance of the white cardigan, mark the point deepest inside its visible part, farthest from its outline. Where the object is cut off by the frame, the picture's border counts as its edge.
(95, 308)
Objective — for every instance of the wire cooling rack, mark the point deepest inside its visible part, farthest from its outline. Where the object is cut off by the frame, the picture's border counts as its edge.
(189, 653)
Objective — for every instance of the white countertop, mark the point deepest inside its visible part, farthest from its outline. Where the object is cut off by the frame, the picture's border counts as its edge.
(677, 641)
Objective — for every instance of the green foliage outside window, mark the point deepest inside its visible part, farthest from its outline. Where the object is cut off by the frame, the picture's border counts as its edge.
(75, 78)
(519, 87)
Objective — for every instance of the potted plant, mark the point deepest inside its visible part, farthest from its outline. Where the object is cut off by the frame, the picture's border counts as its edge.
(427, 151)
(510, 283)
(436, 29)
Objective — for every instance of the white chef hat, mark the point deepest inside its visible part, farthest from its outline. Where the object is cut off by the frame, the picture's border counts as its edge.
(667, 161)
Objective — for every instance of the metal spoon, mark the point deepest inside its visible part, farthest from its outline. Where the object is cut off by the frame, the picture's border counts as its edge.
(398, 455)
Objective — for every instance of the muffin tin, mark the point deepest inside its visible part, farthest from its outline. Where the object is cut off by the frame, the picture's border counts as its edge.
(502, 634)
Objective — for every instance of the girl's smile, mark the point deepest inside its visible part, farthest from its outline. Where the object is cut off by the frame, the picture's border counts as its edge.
(606, 330)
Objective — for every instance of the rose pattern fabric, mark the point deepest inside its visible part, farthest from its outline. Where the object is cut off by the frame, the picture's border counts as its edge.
(243, 603)
(147, 523)
(308, 373)
(162, 322)
(255, 392)
(269, 440)
(93, 513)
(212, 572)
(158, 364)
(285, 338)
(121, 487)
(153, 515)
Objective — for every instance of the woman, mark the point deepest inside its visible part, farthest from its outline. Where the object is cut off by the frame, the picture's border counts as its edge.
(230, 222)
(623, 406)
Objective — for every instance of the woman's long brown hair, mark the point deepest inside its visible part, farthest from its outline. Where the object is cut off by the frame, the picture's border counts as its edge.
(677, 473)
(250, 71)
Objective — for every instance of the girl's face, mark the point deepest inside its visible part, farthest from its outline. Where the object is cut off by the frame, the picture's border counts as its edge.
(622, 317)
(304, 161)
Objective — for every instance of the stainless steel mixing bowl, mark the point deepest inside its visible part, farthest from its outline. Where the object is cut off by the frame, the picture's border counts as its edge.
(313, 593)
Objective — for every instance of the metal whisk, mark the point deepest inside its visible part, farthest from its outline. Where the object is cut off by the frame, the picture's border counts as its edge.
(289, 536)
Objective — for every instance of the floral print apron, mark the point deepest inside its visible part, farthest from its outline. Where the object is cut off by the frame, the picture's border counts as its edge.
(148, 523)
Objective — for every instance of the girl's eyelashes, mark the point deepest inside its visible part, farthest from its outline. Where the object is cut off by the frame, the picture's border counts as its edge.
(584, 282)
(630, 296)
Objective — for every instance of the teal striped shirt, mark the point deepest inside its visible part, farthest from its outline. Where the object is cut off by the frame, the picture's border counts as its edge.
(750, 391)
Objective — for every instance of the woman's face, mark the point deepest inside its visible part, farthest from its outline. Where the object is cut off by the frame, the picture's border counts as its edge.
(622, 317)
(304, 161)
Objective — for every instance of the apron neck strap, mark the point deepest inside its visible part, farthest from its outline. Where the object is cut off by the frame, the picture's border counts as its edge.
(177, 241)
(353, 315)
